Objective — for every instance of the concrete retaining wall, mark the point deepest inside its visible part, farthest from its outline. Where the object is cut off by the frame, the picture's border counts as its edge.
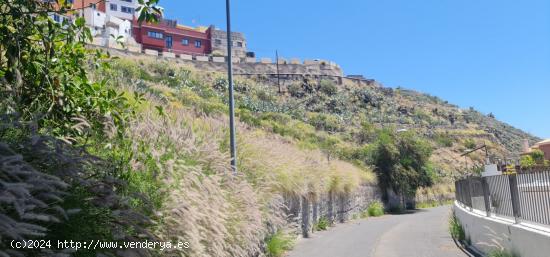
(186, 57)
(202, 58)
(169, 54)
(151, 52)
(218, 59)
(489, 233)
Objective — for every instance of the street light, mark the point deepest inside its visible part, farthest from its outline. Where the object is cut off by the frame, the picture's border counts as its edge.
(231, 100)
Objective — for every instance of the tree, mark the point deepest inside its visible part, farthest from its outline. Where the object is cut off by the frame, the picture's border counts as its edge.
(43, 68)
(401, 162)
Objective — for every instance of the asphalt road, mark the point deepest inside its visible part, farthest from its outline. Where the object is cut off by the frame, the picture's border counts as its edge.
(423, 233)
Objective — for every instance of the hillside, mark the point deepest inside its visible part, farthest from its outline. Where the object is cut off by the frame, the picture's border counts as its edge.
(135, 148)
(347, 113)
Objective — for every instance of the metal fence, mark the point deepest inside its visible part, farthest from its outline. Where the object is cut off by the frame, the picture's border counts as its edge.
(524, 196)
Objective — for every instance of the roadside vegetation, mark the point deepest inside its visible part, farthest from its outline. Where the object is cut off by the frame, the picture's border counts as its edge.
(375, 209)
(278, 244)
(456, 230)
(501, 253)
(431, 204)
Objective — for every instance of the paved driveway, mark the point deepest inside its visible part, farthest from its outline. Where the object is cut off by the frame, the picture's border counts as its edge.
(423, 233)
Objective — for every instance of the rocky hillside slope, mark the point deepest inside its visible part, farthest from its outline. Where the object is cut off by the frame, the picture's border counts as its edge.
(346, 115)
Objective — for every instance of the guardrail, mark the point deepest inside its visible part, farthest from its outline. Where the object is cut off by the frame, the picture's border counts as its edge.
(524, 196)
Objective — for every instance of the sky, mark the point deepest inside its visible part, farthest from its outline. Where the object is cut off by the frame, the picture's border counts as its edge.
(493, 55)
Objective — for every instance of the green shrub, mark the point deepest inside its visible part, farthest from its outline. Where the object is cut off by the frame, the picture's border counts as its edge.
(538, 156)
(443, 140)
(456, 229)
(278, 244)
(375, 209)
(470, 143)
(324, 122)
(296, 90)
(527, 161)
(322, 224)
(327, 87)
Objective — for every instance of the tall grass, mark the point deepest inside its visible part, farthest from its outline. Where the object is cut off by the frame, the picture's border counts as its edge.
(202, 202)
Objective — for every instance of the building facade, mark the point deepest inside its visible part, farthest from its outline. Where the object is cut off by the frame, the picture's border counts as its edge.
(108, 26)
(219, 43)
(123, 9)
(168, 36)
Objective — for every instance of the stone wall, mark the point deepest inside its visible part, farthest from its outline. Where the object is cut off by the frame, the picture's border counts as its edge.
(219, 43)
(303, 212)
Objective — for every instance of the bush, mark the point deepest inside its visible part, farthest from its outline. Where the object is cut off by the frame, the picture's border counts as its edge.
(538, 156)
(470, 143)
(278, 244)
(375, 209)
(444, 140)
(324, 122)
(322, 224)
(296, 90)
(327, 87)
(527, 162)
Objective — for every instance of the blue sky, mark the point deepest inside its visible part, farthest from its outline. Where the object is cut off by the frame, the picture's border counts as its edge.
(493, 55)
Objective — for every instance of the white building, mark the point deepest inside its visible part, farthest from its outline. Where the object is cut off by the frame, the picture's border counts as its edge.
(107, 28)
(123, 9)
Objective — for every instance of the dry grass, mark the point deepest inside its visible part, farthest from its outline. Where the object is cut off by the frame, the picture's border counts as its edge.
(270, 161)
(217, 213)
(436, 193)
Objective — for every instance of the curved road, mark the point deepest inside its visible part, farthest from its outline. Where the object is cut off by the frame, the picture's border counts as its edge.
(423, 233)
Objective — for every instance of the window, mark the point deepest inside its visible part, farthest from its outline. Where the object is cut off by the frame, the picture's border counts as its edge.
(129, 1)
(154, 34)
(125, 9)
(198, 43)
(169, 42)
(185, 42)
(218, 41)
(239, 44)
(56, 18)
(113, 7)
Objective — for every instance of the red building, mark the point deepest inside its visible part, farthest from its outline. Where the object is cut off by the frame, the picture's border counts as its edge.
(168, 36)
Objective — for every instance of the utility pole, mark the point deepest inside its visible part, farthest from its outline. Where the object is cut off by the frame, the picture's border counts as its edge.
(231, 98)
(278, 74)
